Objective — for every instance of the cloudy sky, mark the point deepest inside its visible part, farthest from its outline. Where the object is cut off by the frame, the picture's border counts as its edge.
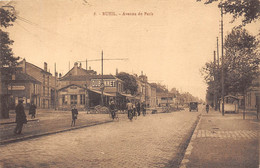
(169, 40)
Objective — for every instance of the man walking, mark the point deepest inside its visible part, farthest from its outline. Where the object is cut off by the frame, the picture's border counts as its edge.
(32, 110)
(20, 117)
(129, 107)
(138, 108)
(74, 112)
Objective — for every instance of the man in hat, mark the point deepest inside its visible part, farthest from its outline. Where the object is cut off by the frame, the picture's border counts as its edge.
(20, 117)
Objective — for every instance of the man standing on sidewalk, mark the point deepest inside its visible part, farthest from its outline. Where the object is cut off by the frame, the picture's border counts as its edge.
(20, 117)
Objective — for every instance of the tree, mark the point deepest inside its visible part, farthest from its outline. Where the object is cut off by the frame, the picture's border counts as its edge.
(7, 59)
(159, 87)
(241, 63)
(130, 82)
(249, 10)
(241, 60)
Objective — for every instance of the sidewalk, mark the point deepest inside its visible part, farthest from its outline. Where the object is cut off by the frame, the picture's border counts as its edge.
(224, 141)
(47, 122)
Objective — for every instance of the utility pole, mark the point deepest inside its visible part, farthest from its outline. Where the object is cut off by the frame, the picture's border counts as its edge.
(55, 83)
(167, 99)
(215, 83)
(102, 80)
(218, 77)
(222, 64)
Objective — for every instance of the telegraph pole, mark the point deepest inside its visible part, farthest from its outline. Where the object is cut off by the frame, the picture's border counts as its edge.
(55, 89)
(215, 83)
(222, 64)
(102, 80)
(218, 77)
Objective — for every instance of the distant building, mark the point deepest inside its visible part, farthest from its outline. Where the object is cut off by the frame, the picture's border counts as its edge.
(162, 99)
(113, 89)
(82, 88)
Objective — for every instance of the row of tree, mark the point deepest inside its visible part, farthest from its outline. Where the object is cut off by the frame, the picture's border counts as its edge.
(241, 57)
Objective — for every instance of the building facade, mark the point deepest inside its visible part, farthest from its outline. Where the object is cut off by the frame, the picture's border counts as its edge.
(43, 94)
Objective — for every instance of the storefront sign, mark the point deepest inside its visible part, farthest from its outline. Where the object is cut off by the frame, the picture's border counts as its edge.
(16, 87)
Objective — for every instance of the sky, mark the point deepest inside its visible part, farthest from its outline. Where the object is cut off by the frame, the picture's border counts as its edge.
(169, 40)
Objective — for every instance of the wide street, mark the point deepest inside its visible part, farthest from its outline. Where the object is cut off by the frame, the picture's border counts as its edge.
(156, 140)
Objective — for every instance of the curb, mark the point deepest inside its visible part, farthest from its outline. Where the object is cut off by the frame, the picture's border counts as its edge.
(4, 142)
(12, 122)
(189, 148)
(183, 145)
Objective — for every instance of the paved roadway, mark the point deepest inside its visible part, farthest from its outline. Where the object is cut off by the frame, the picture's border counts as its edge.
(151, 141)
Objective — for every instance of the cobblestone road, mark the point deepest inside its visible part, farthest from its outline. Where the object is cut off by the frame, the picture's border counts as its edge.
(150, 141)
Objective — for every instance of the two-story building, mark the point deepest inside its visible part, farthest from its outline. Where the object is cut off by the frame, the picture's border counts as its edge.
(82, 88)
(113, 89)
(46, 94)
(21, 85)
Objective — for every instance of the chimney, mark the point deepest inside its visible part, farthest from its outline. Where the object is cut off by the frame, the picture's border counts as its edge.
(116, 71)
(80, 66)
(59, 75)
(24, 65)
(142, 73)
(89, 67)
(75, 64)
(76, 68)
(45, 66)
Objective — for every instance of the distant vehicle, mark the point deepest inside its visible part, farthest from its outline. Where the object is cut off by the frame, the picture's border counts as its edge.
(193, 106)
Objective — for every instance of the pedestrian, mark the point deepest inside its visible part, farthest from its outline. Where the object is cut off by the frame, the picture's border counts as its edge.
(20, 117)
(138, 108)
(112, 108)
(134, 109)
(207, 108)
(144, 108)
(74, 113)
(129, 107)
(32, 110)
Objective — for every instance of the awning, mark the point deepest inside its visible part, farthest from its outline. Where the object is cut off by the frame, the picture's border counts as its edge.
(99, 92)
(130, 96)
(127, 95)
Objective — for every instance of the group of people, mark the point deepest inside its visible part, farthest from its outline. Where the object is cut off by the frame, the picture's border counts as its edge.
(21, 118)
(131, 107)
(135, 107)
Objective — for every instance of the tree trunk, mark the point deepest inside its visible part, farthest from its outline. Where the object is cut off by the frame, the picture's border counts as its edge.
(244, 110)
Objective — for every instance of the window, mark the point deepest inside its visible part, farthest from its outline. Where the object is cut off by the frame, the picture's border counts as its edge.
(64, 99)
(73, 99)
(43, 90)
(82, 99)
(43, 80)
